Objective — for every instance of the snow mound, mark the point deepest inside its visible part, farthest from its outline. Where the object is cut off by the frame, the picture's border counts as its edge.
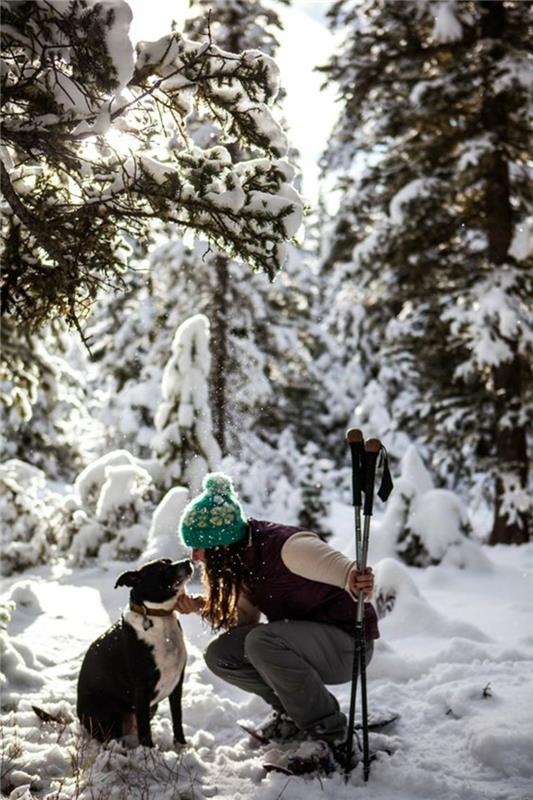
(121, 484)
(404, 611)
(391, 580)
(107, 515)
(89, 482)
(19, 672)
(504, 749)
(25, 596)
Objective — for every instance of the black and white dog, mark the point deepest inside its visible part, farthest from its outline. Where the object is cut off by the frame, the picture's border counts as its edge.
(140, 660)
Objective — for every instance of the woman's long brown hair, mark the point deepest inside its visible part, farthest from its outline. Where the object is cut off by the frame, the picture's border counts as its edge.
(223, 575)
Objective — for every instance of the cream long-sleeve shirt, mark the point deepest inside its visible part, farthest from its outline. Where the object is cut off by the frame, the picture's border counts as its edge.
(305, 554)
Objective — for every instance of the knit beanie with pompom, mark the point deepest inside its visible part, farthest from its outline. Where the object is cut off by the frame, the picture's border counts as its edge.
(215, 517)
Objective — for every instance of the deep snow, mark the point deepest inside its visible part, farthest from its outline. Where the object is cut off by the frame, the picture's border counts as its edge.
(455, 660)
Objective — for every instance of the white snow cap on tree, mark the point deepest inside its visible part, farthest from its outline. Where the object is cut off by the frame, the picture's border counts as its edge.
(419, 187)
(119, 45)
(163, 539)
(447, 27)
(415, 471)
(185, 440)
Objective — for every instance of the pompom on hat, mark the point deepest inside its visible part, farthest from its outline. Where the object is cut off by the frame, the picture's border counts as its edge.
(215, 517)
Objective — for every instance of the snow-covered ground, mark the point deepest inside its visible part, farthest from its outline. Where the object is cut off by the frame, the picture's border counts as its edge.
(455, 660)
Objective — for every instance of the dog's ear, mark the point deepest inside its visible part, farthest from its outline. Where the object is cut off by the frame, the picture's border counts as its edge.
(127, 578)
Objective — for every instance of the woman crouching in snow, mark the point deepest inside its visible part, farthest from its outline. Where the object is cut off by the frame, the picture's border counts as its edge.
(305, 589)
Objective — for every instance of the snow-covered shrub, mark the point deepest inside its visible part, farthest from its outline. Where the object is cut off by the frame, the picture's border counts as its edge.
(163, 540)
(28, 515)
(108, 514)
(426, 526)
(89, 482)
(437, 530)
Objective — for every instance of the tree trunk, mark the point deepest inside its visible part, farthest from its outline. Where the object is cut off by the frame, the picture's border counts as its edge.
(508, 377)
(219, 351)
(219, 316)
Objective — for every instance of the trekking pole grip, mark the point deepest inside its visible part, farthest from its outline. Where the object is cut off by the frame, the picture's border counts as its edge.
(354, 437)
(372, 450)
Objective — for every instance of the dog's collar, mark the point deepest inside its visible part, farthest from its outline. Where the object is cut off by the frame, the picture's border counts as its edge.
(151, 612)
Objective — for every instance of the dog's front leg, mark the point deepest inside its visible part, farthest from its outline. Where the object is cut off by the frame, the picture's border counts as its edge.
(175, 710)
(142, 712)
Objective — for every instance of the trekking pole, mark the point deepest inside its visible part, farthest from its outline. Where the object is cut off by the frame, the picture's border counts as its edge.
(372, 450)
(354, 437)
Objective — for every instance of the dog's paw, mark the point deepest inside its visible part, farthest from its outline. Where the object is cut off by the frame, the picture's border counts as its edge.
(179, 745)
(130, 741)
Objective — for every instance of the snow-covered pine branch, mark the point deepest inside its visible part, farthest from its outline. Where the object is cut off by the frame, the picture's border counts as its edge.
(251, 24)
(95, 148)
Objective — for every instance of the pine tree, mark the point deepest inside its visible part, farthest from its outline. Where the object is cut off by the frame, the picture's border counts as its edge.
(436, 108)
(177, 280)
(260, 338)
(129, 346)
(184, 441)
(237, 25)
(72, 195)
(28, 511)
(45, 419)
(313, 481)
(239, 312)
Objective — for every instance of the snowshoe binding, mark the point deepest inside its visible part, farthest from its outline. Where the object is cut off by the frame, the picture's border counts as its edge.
(277, 727)
(311, 757)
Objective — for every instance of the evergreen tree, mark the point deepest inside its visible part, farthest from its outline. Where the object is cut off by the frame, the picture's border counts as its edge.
(95, 147)
(313, 482)
(45, 421)
(28, 511)
(435, 107)
(129, 346)
(184, 441)
(240, 313)
(261, 366)
(237, 25)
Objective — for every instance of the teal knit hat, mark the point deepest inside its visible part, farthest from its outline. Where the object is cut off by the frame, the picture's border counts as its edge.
(215, 517)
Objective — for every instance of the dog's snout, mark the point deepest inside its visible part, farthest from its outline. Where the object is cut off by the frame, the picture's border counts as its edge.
(185, 568)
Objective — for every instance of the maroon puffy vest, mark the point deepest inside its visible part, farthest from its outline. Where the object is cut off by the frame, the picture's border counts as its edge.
(280, 594)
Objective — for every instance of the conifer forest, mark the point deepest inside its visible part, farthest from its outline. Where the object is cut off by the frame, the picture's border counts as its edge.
(223, 245)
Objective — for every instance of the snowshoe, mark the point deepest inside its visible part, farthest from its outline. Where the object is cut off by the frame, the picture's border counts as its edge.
(311, 757)
(378, 720)
(277, 727)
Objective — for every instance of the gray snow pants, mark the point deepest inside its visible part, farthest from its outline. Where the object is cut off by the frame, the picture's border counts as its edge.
(288, 663)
